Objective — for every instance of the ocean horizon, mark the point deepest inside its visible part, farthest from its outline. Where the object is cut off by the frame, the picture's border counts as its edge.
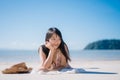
(33, 56)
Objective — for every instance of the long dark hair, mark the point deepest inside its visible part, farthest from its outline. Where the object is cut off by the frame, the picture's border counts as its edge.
(62, 45)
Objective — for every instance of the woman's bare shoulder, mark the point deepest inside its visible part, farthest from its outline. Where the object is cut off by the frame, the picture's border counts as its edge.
(40, 48)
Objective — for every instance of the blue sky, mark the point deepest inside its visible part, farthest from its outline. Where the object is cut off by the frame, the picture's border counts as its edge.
(23, 23)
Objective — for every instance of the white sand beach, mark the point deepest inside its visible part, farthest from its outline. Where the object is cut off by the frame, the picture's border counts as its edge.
(94, 70)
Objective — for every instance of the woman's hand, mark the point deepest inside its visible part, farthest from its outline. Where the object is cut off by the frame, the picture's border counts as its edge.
(50, 46)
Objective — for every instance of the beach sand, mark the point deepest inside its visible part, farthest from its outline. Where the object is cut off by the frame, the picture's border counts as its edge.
(94, 70)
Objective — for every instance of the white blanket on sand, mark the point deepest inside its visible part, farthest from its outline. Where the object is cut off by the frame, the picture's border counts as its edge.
(62, 71)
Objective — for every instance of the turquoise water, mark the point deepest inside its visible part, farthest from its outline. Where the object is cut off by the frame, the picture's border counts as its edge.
(33, 56)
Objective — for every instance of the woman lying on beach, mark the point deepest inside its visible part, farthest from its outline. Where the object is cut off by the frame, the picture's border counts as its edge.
(54, 54)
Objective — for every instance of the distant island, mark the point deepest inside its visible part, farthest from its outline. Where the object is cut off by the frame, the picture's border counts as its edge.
(112, 44)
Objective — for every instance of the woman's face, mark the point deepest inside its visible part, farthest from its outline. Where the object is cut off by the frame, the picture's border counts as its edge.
(55, 40)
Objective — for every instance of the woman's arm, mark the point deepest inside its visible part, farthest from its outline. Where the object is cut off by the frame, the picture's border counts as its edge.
(46, 62)
(42, 56)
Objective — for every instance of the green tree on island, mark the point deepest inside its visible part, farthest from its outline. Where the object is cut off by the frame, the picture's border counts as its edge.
(106, 44)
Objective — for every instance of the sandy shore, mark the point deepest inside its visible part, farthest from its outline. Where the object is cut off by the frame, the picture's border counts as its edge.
(94, 70)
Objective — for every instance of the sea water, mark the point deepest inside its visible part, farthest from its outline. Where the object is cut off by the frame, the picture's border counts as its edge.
(96, 55)
(33, 56)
